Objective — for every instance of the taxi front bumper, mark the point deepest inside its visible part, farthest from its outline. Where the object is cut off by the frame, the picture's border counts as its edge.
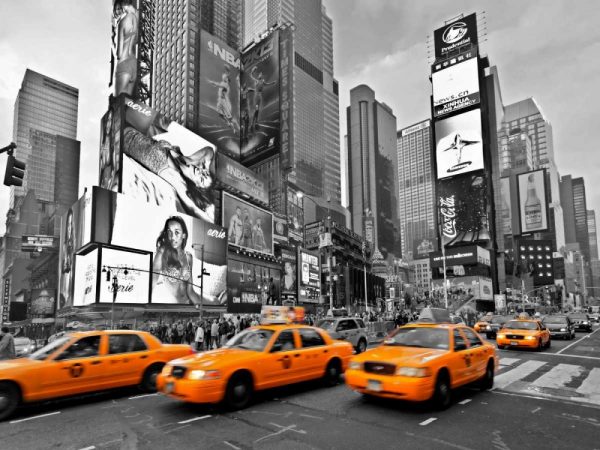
(529, 343)
(390, 386)
(192, 391)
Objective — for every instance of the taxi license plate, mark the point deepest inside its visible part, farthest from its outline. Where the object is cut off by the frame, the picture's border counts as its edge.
(169, 387)
(514, 343)
(374, 385)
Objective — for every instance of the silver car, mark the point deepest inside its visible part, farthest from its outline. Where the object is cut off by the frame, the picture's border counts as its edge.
(349, 329)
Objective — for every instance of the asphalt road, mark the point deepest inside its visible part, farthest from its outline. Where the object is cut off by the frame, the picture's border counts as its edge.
(545, 400)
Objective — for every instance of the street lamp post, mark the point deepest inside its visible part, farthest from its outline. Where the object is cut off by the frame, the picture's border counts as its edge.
(115, 289)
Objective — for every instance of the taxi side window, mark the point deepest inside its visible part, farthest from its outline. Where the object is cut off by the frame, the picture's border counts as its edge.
(83, 348)
(125, 343)
(459, 342)
(284, 342)
(472, 338)
(310, 338)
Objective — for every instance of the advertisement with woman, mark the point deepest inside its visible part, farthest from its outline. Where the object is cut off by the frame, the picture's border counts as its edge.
(110, 150)
(289, 286)
(248, 226)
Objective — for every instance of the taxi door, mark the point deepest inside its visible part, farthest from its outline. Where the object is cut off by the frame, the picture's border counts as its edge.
(281, 364)
(126, 360)
(461, 359)
(480, 354)
(78, 368)
(314, 353)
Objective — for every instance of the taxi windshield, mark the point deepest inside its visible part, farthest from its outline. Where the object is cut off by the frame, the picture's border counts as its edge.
(515, 325)
(50, 348)
(326, 324)
(425, 337)
(253, 339)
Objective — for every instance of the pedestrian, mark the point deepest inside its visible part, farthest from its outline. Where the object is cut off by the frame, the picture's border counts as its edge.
(223, 330)
(199, 337)
(214, 335)
(7, 344)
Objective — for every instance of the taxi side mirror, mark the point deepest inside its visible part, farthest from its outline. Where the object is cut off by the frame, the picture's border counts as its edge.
(277, 347)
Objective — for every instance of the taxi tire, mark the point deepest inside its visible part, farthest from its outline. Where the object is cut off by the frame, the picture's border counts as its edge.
(148, 383)
(549, 343)
(10, 394)
(332, 373)
(233, 400)
(442, 393)
(361, 346)
(540, 346)
(487, 381)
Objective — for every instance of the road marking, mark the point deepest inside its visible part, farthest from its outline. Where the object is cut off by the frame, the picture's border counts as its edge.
(573, 356)
(506, 378)
(282, 429)
(91, 447)
(508, 361)
(569, 401)
(195, 418)
(558, 376)
(576, 342)
(310, 417)
(464, 402)
(235, 447)
(142, 396)
(176, 429)
(428, 421)
(591, 385)
(536, 410)
(35, 417)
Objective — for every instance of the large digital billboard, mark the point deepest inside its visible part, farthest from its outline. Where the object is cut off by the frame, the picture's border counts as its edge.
(463, 209)
(251, 285)
(124, 49)
(133, 286)
(248, 226)
(309, 276)
(241, 178)
(289, 285)
(480, 288)
(455, 84)
(86, 276)
(459, 144)
(166, 164)
(533, 205)
(259, 100)
(295, 215)
(42, 302)
(178, 244)
(459, 256)
(219, 118)
(110, 148)
(506, 209)
(454, 35)
(423, 247)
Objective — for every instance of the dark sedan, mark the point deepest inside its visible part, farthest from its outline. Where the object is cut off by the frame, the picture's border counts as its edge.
(559, 327)
(495, 323)
(581, 321)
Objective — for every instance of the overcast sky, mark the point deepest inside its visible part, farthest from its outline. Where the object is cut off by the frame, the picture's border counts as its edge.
(546, 49)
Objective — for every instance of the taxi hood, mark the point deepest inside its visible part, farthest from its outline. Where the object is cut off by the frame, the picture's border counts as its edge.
(215, 358)
(400, 355)
(11, 364)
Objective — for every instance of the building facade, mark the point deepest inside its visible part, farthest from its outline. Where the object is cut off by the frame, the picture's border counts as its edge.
(223, 18)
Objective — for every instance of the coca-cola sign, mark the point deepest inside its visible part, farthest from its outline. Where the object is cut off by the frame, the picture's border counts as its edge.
(448, 215)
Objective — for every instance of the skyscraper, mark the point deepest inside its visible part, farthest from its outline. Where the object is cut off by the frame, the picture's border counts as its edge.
(592, 232)
(222, 18)
(46, 105)
(415, 181)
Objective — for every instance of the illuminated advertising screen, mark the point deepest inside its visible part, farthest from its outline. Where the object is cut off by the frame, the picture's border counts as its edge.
(533, 205)
(241, 178)
(259, 100)
(452, 36)
(455, 84)
(42, 302)
(463, 209)
(286, 98)
(133, 286)
(250, 286)
(459, 144)
(178, 244)
(505, 209)
(219, 119)
(295, 215)
(289, 285)
(478, 288)
(459, 256)
(110, 148)
(248, 226)
(124, 46)
(37, 243)
(423, 247)
(309, 276)
(86, 274)
(280, 230)
(165, 164)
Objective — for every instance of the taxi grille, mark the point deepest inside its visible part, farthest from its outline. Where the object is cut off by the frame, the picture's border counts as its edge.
(380, 368)
(179, 372)
(514, 336)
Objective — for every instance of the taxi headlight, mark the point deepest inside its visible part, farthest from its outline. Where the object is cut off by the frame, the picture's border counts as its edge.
(166, 371)
(487, 327)
(563, 329)
(416, 372)
(530, 338)
(584, 323)
(204, 375)
(355, 365)
(501, 336)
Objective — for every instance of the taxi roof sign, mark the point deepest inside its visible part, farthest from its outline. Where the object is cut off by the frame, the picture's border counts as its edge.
(434, 315)
(281, 315)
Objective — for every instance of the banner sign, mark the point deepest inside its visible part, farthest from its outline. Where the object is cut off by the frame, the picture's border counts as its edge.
(458, 256)
(309, 276)
(233, 174)
(286, 67)
(451, 37)
(37, 243)
(6, 300)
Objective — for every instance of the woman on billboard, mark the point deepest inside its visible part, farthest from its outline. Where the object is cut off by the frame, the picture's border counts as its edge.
(224, 107)
(190, 176)
(289, 277)
(126, 73)
(66, 269)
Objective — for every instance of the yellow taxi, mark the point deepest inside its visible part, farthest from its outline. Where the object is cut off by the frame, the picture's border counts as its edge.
(424, 361)
(523, 333)
(83, 362)
(261, 357)
(482, 323)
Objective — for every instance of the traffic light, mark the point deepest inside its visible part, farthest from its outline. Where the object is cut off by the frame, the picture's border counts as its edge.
(15, 171)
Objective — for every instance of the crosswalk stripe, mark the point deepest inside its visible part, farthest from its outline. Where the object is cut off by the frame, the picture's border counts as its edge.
(519, 372)
(559, 376)
(508, 361)
(591, 385)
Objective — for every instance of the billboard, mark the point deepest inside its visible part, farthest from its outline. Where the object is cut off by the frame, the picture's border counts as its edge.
(219, 83)
(309, 276)
(463, 209)
(505, 210)
(455, 84)
(422, 247)
(454, 35)
(124, 48)
(286, 98)
(133, 286)
(533, 207)
(86, 274)
(242, 179)
(109, 176)
(458, 256)
(37, 243)
(295, 215)
(280, 230)
(478, 287)
(42, 302)
(178, 244)
(6, 300)
(459, 144)
(165, 164)
(259, 100)
(289, 285)
(249, 227)
(250, 286)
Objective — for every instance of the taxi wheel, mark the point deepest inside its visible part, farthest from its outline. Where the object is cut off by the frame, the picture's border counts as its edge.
(362, 346)
(501, 347)
(442, 395)
(487, 381)
(332, 373)
(239, 391)
(9, 399)
(149, 380)
(540, 346)
(549, 343)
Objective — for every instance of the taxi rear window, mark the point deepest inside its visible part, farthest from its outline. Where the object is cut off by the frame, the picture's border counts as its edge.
(515, 325)
(255, 339)
(424, 337)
